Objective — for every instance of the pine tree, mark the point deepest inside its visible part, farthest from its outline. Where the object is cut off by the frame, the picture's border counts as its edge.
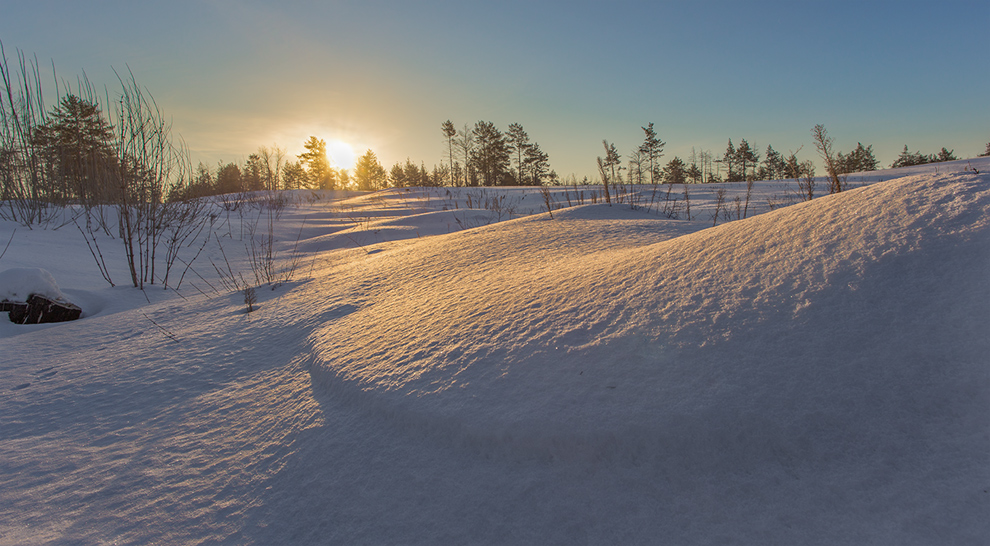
(746, 155)
(675, 172)
(945, 155)
(823, 143)
(228, 179)
(251, 174)
(75, 143)
(518, 142)
(773, 165)
(537, 165)
(612, 161)
(441, 173)
(201, 184)
(909, 159)
(987, 152)
(859, 160)
(652, 151)
(424, 175)
(319, 172)
(694, 173)
(867, 161)
(411, 174)
(397, 176)
(369, 175)
(491, 153)
(729, 159)
(293, 175)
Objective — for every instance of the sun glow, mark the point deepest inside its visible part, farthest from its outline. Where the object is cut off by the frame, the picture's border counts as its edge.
(341, 154)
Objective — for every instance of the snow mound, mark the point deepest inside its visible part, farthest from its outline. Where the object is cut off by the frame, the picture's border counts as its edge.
(18, 283)
(792, 336)
(817, 375)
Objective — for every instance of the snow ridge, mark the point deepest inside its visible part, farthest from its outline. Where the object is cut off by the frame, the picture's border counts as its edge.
(791, 344)
(812, 375)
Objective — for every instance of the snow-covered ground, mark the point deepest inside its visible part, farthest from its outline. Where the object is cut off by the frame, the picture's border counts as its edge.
(454, 366)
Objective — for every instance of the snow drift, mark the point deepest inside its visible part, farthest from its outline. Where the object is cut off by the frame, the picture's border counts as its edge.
(841, 343)
(813, 375)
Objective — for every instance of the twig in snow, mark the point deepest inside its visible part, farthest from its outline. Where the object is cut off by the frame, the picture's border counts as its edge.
(8, 243)
(97, 255)
(168, 334)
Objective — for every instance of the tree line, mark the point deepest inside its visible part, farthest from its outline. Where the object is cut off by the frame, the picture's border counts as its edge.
(76, 152)
(909, 159)
(269, 169)
(486, 156)
(73, 150)
(480, 156)
(743, 162)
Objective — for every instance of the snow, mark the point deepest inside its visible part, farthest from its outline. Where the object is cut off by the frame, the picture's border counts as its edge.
(434, 373)
(19, 283)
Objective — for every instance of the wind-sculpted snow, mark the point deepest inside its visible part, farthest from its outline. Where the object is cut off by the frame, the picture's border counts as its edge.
(443, 373)
(839, 341)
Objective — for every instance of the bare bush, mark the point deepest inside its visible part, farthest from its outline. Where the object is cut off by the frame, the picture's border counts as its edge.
(267, 265)
(90, 236)
(499, 203)
(184, 223)
(804, 174)
(687, 201)
(25, 188)
(118, 172)
(749, 193)
(548, 203)
(148, 168)
(719, 204)
(250, 297)
(775, 202)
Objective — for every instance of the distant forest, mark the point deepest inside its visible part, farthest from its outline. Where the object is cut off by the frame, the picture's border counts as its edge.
(484, 155)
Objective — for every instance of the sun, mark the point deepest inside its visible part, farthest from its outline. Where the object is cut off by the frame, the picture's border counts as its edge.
(341, 154)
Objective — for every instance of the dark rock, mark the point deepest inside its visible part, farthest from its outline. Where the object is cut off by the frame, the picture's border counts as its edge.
(18, 310)
(39, 309)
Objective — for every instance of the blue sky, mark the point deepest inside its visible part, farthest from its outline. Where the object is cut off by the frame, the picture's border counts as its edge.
(384, 75)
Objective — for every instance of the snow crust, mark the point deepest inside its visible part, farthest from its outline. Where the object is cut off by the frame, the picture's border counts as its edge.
(436, 373)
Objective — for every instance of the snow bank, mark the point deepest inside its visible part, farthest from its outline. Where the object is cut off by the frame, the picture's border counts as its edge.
(18, 283)
(839, 342)
(816, 375)
(974, 165)
(502, 318)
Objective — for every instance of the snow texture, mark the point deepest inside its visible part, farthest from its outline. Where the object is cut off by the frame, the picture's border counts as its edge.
(19, 283)
(443, 373)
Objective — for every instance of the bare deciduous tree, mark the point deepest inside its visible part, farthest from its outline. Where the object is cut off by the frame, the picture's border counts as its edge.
(719, 204)
(448, 131)
(547, 199)
(465, 149)
(607, 168)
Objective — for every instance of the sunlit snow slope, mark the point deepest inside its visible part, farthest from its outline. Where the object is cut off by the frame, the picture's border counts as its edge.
(841, 342)
(817, 374)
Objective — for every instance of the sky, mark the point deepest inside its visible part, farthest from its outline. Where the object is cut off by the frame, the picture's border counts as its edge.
(383, 75)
